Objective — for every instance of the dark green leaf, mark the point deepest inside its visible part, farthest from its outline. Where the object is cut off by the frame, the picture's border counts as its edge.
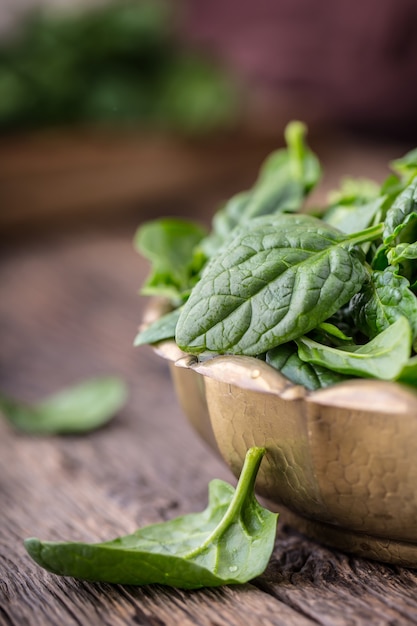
(383, 299)
(379, 260)
(286, 360)
(163, 328)
(169, 244)
(78, 409)
(278, 278)
(228, 543)
(384, 357)
(408, 374)
(401, 219)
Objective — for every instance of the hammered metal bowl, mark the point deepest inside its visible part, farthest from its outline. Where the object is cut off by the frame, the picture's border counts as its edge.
(342, 461)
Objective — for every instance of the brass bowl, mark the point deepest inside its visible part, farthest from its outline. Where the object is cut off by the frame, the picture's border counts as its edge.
(341, 460)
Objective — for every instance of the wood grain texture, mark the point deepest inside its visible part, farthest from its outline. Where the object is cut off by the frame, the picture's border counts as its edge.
(64, 176)
(61, 177)
(68, 310)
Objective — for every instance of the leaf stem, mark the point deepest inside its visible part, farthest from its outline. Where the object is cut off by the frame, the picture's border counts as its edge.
(294, 136)
(368, 234)
(244, 488)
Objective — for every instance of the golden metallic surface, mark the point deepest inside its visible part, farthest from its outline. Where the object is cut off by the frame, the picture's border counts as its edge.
(341, 460)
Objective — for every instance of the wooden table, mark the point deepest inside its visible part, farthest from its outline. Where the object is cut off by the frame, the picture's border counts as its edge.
(69, 310)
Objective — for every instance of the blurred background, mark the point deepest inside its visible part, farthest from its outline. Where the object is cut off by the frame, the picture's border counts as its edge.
(127, 108)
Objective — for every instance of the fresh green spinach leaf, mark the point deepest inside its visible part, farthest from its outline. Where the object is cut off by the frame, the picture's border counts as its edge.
(401, 219)
(278, 278)
(408, 374)
(406, 166)
(78, 409)
(228, 543)
(170, 245)
(384, 297)
(286, 360)
(383, 357)
(273, 274)
(350, 218)
(161, 329)
(333, 331)
(402, 252)
(353, 191)
(355, 206)
(403, 257)
(285, 179)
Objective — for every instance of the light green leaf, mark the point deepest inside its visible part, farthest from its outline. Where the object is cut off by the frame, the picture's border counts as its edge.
(406, 166)
(228, 543)
(78, 409)
(384, 357)
(355, 216)
(402, 252)
(333, 331)
(170, 245)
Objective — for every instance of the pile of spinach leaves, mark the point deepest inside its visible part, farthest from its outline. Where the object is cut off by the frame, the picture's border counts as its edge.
(320, 297)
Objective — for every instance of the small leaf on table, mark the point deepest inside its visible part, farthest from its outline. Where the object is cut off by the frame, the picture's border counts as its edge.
(78, 409)
(230, 542)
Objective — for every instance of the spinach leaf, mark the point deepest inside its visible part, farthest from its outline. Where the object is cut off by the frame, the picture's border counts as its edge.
(228, 543)
(391, 188)
(402, 252)
(383, 357)
(406, 166)
(78, 409)
(403, 257)
(285, 359)
(224, 222)
(379, 259)
(408, 374)
(351, 218)
(286, 177)
(401, 219)
(355, 206)
(383, 299)
(333, 332)
(163, 328)
(354, 191)
(170, 245)
(278, 278)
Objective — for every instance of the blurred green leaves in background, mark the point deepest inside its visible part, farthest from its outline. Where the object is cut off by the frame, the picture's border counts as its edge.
(117, 64)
